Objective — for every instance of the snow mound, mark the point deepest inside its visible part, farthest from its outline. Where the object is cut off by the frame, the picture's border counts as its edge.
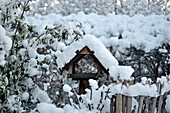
(5, 45)
(48, 108)
(121, 72)
(94, 44)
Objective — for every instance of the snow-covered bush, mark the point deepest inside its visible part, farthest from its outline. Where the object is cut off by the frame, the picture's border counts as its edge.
(102, 7)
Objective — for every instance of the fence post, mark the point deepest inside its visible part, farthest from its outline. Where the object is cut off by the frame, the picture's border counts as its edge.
(160, 99)
(124, 99)
(140, 104)
(118, 103)
(154, 105)
(147, 104)
(129, 100)
(111, 105)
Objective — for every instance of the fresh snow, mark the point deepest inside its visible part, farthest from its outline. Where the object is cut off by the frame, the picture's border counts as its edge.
(167, 106)
(5, 45)
(48, 108)
(100, 51)
(121, 72)
(143, 32)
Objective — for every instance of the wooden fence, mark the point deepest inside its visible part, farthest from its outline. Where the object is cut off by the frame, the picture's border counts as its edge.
(123, 104)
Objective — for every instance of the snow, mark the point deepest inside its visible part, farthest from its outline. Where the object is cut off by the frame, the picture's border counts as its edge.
(167, 105)
(25, 96)
(67, 88)
(137, 31)
(48, 108)
(121, 72)
(100, 51)
(93, 84)
(41, 95)
(5, 45)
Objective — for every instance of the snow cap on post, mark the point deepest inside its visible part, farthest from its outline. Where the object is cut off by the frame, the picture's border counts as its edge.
(121, 72)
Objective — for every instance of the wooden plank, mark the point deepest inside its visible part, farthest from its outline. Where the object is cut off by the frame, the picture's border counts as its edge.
(153, 105)
(164, 100)
(74, 60)
(123, 103)
(160, 99)
(81, 89)
(118, 103)
(140, 104)
(160, 104)
(83, 76)
(128, 104)
(70, 71)
(146, 105)
(111, 105)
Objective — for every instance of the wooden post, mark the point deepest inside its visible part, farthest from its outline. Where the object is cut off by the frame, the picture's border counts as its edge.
(129, 100)
(81, 89)
(124, 100)
(153, 105)
(118, 103)
(146, 104)
(160, 99)
(123, 103)
(160, 104)
(165, 96)
(111, 105)
(128, 104)
(140, 104)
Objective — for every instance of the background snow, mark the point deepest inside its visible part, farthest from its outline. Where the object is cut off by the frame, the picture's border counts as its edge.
(143, 32)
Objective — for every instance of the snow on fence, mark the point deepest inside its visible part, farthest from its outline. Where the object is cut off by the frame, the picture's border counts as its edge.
(149, 99)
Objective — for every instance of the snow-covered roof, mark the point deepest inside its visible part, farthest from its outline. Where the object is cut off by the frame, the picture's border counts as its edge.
(94, 44)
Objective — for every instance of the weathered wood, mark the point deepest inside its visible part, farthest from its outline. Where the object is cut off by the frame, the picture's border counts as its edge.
(146, 104)
(164, 100)
(123, 103)
(98, 62)
(111, 105)
(160, 104)
(153, 105)
(140, 104)
(70, 71)
(81, 89)
(160, 99)
(86, 51)
(118, 103)
(83, 76)
(74, 60)
(128, 104)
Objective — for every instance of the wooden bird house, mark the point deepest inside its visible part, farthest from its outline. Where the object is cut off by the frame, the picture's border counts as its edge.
(86, 60)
